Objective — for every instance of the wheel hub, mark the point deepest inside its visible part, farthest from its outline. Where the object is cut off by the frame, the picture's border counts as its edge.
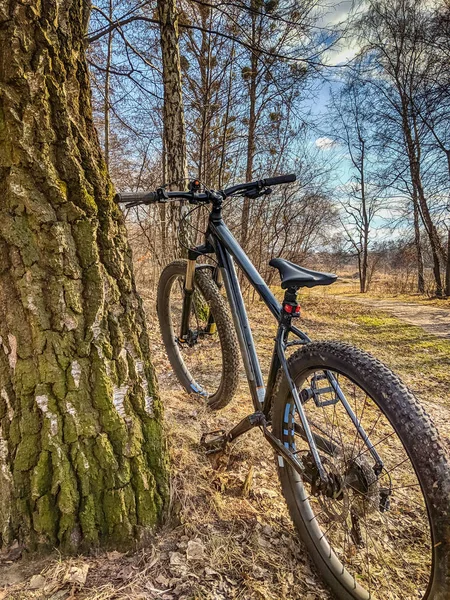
(352, 487)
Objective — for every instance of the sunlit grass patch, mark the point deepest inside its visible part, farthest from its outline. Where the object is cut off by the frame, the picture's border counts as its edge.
(421, 359)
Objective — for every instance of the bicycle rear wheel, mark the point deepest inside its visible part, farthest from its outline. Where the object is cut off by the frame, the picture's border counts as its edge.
(385, 537)
(207, 363)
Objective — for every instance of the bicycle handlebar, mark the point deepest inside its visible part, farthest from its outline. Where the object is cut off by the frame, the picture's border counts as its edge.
(280, 179)
(160, 195)
(144, 197)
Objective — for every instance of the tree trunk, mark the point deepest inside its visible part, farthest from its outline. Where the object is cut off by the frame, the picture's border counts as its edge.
(173, 114)
(226, 118)
(107, 105)
(174, 127)
(365, 220)
(82, 455)
(447, 267)
(418, 245)
(251, 129)
(416, 180)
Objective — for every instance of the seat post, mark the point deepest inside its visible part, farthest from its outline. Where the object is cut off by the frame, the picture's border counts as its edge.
(290, 306)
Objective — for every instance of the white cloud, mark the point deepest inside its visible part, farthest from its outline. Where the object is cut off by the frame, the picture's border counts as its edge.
(325, 143)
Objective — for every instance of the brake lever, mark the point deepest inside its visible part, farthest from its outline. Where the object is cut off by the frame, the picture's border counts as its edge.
(257, 193)
(162, 195)
(133, 204)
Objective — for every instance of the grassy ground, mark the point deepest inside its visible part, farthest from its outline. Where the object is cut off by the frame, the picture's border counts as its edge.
(349, 287)
(422, 360)
(229, 535)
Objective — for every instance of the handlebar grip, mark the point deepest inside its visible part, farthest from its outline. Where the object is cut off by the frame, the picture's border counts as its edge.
(280, 179)
(144, 197)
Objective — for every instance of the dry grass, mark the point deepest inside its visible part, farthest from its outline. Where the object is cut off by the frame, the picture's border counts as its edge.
(229, 535)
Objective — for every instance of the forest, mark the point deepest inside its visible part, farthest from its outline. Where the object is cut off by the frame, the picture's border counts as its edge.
(224, 300)
(355, 101)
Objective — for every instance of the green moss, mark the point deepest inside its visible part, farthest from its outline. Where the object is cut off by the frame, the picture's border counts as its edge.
(121, 369)
(73, 295)
(42, 476)
(375, 321)
(50, 370)
(70, 430)
(85, 233)
(63, 187)
(27, 453)
(88, 521)
(86, 201)
(102, 389)
(114, 508)
(64, 483)
(104, 453)
(145, 488)
(45, 518)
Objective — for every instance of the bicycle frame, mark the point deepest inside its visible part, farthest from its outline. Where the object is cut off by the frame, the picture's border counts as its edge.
(221, 242)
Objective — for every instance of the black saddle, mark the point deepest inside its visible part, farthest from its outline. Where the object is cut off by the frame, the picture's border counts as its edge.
(294, 276)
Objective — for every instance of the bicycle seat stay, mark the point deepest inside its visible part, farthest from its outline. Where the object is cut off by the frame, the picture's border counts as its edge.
(293, 275)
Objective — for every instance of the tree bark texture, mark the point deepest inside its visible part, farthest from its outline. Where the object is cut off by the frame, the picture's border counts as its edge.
(82, 454)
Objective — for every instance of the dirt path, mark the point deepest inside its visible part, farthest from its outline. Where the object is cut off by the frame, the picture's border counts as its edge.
(433, 320)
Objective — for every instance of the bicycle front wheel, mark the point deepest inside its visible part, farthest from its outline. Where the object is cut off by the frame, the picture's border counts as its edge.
(207, 362)
(374, 536)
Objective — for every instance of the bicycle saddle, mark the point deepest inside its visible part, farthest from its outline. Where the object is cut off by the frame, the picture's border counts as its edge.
(294, 276)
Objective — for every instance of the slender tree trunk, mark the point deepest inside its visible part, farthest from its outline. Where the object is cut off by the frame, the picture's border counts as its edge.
(82, 456)
(173, 114)
(174, 127)
(365, 222)
(447, 266)
(226, 119)
(107, 107)
(205, 75)
(251, 131)
(414, 165)
(162, 206)
(418, 245)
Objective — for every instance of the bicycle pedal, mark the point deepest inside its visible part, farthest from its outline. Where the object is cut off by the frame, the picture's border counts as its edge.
(214, 441)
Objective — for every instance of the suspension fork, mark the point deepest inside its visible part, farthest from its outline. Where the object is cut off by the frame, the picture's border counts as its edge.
(188, 292)
(211, 325)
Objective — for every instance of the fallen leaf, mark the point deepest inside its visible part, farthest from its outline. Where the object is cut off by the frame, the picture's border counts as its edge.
(176, 558)
(37, 582)
(195, 550)
(77, 574)
(114, 555)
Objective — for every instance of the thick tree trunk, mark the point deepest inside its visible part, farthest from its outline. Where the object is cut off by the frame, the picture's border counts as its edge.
(82, 456)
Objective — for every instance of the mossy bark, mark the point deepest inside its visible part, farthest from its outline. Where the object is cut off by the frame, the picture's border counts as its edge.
(82, 454)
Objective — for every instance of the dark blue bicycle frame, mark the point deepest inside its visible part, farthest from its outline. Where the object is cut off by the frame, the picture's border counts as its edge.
(220, 240)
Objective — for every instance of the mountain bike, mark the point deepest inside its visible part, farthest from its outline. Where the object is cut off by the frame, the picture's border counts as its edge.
(361, 467)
